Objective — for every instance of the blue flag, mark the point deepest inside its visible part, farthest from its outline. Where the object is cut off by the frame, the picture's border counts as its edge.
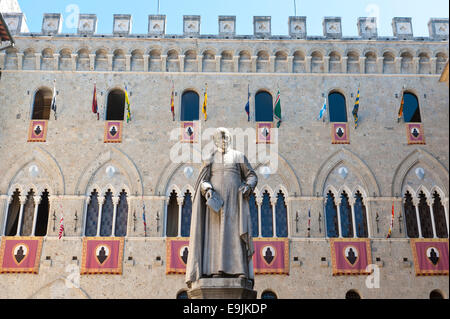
(323, 109)
(247, 106)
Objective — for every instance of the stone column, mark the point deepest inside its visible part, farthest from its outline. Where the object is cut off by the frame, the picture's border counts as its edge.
(86, 205)
(273, 202)
(101, 200)
(366, 204)
(128, 62)
(308, 64)
(416, 206)
(433, 65)
(338, 211)
(22, 200)
(236, 63)
(146, 57)
(326, 64)
(110, 58)
(433, 225)
(115, 200)
(5, 202)
(258, 200)
(20, 61)
(352, 205)
(199, 63)
(445, 204)
(181, 58)
(272, 64)
(74, 61)
(362, 64)
(290, 64)
(398, 65)
(416, 65)
(56, 61)
(253, 64)
(218, 59)
(92, 62)
(38, 61)
(37, 201)
(344, 62)
(380, 62)
(180, 200)
(164, 63)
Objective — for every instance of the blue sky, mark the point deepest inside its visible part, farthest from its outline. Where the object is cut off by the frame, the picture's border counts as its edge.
(419, 10)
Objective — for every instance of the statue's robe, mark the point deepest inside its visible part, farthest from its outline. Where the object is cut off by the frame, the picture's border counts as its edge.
(221, 242)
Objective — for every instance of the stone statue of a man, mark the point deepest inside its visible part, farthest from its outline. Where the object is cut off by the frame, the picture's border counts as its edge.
(221, 241)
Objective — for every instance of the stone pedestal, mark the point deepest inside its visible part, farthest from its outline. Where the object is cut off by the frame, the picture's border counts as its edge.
(222, 288)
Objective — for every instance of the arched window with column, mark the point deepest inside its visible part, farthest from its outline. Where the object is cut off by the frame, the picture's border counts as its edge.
(120, 228)
(345, 212)
(281, 216)
(13, 214)
(42, 103)
(266, 216)
(186, 213)
(439, 216)
(425, 216)
(91, 222)
(337, 107)
(360, 216)
(263, 107)
(107, 215)
(190, 104)
(331, 216)
(410, 213)
(172, 215)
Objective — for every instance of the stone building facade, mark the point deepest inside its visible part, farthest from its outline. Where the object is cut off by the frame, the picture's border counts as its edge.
(74, 161)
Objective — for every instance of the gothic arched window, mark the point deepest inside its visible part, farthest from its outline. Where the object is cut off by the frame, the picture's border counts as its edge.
(121, 215)
(186, 213)
(40, 228)
(360, 216)
(439, 217)
(190, 106)
(268, 295)
(107, 215)
(337, 107)
(412, 229)
(254, 214)
(172, 215)
(263, 107)
(346, 216)
(331, 216)
(92, 215)
(281, 216)
(115, 107)
(13, 215)
(41, 104)
(425, 217)
(266, 216)
(352, 294)
(411, 110)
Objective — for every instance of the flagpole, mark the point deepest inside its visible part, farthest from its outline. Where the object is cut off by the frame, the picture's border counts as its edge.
(295, 8)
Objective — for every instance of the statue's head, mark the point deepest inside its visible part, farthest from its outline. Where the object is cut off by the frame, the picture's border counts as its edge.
(222, 139)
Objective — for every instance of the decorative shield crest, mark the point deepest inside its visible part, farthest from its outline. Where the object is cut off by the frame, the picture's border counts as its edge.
(339, 133)
(102, 255)
(37, 132)
(20, 254)
(271, 256)
(414, 133)
(177, 252)
(113, 131)
(350, 256)
(189, 132)
(431, 256)
(264, 132)
(268, 254)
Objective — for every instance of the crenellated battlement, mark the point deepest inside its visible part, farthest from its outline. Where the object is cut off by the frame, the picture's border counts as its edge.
(262, 28)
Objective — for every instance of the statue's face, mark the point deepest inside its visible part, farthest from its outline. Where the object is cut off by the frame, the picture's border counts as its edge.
(222, 141)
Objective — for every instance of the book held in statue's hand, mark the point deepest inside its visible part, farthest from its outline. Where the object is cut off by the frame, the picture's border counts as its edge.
(214, 202)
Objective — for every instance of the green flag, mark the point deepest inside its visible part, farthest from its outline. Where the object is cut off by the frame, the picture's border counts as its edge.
(277, 110)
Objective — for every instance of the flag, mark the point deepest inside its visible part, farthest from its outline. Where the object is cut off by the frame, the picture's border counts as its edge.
(277, 110)
(144, 220)
(53, 105)
(94, 103)
(391, 225)
(323, 110)
(309, 222)
(205, 102)
(247, 106)
(172, 103)
(127, 101)
(400, 111)
(61, 227)
(355, 109)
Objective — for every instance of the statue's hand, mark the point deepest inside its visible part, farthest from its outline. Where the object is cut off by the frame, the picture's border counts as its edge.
(245, 189)
(208, 194)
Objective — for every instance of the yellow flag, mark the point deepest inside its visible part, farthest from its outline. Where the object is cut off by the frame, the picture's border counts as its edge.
(205, 102)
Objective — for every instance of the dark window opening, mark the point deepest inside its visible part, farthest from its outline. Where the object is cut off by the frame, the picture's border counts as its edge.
(346, 216)
(107, 215)
(115, 108)
(266, 216)
(360, 216)
(281, 216)
(13, 215)
(411, 110)
(92, 215)
(263, 107)
(351, 294)
(42, 103)
(172, 216)
(189, 106)
(268, 295)
(425, 217)
(412, 229)
(439, 216)
(182, 295)
(331, 216)
(337, 107)
(121, 215)
(436, 294)
(42, 215)
(186, 212)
